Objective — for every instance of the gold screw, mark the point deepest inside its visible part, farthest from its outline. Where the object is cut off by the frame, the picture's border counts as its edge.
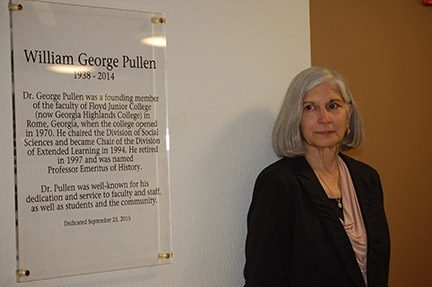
(15, 7)
(156, 20)
(22, 273)
(164, 255)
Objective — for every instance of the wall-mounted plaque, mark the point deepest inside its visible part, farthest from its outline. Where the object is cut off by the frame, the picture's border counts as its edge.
(91, 139)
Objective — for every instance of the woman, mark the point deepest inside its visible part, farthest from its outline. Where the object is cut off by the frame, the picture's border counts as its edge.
(317, 216)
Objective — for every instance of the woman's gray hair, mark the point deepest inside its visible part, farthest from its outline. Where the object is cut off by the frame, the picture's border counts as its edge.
(287, 138)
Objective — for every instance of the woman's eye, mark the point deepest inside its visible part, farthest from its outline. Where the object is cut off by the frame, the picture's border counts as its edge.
(333, 106)
(309, 108)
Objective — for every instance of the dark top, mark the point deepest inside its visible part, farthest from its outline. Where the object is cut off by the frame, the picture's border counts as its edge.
(295, 237)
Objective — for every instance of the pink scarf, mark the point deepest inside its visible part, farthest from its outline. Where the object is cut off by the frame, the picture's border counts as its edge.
(353, 220)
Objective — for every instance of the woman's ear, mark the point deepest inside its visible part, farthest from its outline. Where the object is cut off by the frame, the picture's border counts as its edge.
(349, 114)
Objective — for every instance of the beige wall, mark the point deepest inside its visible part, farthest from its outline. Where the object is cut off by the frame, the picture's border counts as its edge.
(228, 65)
(384, 49)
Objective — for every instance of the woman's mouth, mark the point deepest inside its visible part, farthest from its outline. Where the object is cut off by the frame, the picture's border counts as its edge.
(329, 132)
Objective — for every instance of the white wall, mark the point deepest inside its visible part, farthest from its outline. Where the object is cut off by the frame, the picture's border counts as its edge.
(229, 64)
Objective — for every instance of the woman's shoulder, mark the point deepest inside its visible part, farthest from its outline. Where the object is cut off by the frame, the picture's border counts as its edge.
(362, 167)
(284, 168)
(277, 182)
(282, 165)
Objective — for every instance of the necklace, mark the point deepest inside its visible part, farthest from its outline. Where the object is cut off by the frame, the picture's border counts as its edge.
(338, 199)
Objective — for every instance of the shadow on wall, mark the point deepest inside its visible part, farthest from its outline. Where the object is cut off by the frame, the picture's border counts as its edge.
(236, 155)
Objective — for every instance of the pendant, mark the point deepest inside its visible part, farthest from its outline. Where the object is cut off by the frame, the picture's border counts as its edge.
(339, 202)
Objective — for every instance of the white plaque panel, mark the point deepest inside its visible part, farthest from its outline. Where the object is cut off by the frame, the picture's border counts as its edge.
(91, 139)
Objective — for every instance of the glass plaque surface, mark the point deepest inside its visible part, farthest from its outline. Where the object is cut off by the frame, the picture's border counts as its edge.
(91, 138)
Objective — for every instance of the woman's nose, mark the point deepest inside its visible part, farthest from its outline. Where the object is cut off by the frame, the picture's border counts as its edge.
(324, 116)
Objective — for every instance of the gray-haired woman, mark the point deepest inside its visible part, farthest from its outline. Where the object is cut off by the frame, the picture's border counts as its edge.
(317, 216)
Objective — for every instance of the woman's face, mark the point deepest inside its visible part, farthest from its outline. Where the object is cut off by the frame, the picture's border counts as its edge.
(324, 119)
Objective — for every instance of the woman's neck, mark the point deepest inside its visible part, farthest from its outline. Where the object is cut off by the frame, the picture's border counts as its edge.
(323, 160)
(325, 166)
